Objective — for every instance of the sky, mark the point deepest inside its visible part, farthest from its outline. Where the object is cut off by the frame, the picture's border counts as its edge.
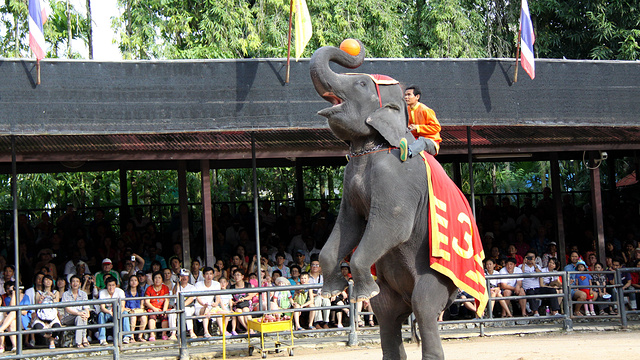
(103, 48)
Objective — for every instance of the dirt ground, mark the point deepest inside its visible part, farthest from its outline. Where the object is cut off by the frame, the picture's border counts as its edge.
(553, 346)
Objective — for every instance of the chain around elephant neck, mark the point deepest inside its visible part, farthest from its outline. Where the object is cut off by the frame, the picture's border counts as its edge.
(369, 151)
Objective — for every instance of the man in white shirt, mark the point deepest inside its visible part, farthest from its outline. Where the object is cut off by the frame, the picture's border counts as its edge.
(111, 291)
(196, 273)
(513, 286)
(532, 285)
(183, 286)
(205, 303)
(315, 277)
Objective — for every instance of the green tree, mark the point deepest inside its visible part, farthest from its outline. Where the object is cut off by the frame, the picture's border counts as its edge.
(444, 28)
(593, 29)
(502, 22)
(13, 19)
(175, 29)
(376, 23)
(63, 25)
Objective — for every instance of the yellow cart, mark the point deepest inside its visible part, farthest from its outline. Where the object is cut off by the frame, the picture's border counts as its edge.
(270, 327)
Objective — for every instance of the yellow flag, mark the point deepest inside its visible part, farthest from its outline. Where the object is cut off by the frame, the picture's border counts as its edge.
(303, 27)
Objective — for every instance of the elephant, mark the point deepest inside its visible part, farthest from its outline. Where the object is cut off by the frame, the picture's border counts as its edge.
(384, 206)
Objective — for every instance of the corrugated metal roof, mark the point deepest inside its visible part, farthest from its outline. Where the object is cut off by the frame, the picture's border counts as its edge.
(322, 142)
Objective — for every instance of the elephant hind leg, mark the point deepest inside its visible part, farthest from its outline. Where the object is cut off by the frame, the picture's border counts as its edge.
(391, 311)
(430, 297)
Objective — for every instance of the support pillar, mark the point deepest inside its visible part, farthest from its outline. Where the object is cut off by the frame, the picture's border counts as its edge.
(557, 198)
(183, 202)
(125, 214)
(596, 205)
(457, 176)
(256, 212)
(207, 214)
(472, 198)
(299, 188)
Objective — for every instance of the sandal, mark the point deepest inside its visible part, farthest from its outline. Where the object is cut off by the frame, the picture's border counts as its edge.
(79, 346)
(360, 323)
(141, 339)
(372, 323)
(577, 313)
(85, 343)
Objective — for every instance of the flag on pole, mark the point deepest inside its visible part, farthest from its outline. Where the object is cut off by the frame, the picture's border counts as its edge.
(303, 27)
(37, 18)
(527, 38)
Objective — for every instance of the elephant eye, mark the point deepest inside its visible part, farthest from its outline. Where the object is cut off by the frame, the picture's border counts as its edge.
(362, 83)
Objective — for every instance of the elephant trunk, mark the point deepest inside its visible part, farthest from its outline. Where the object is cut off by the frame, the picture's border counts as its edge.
(324, 79)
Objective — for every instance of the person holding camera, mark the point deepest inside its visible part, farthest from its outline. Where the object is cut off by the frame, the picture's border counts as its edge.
(8, 319)
(532, 285)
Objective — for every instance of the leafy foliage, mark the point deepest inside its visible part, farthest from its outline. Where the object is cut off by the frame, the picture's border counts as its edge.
(13, 13)
(56, 29)
(444, 28)
(593, 29)
(13, 28)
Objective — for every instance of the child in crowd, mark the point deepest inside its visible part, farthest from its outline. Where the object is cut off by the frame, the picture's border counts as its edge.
(224, 303)
(303, 298)
(282, 299)
(586, 280)
(600, 280)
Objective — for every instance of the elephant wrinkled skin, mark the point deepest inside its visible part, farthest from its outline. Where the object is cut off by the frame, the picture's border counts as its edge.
(384, 207)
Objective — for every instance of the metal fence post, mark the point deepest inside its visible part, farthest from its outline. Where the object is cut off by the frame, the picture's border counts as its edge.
(184, 350)
(117, 338)
(353, 310)
(622, 310)
(567, 323)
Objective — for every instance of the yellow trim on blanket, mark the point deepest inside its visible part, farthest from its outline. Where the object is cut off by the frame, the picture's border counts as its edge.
(437, 237)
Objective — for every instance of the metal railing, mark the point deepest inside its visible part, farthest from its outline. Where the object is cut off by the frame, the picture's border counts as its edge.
(351, 329)
(114, 348)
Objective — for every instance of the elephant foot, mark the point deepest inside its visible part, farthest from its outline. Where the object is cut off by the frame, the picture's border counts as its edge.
(364, 290)
(333, 286)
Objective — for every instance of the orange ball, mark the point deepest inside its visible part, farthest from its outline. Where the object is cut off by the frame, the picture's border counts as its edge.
(350, 46)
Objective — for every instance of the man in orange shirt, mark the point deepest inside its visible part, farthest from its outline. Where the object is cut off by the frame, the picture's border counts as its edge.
(423, 125)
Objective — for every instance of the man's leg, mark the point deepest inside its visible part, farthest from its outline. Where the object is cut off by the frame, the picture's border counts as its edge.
(102, 332)
(126, 327)
(415, 148)
(522, 302)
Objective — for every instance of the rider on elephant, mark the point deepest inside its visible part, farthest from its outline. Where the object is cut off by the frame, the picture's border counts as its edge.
(423, 125)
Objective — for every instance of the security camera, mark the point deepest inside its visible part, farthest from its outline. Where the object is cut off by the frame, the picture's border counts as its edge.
(603, 155)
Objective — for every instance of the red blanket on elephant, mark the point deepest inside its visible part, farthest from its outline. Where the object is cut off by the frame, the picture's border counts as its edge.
(456, 249)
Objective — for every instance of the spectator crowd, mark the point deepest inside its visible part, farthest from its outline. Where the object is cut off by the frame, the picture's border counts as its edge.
(72, 260)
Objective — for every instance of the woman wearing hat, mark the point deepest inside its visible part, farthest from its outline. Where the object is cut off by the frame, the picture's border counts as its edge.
(189, 310)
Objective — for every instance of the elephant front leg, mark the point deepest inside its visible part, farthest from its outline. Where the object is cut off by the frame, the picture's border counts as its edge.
(343, 239)
(387, 228)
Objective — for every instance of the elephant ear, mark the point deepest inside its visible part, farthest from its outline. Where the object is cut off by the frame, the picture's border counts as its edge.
(390, 122)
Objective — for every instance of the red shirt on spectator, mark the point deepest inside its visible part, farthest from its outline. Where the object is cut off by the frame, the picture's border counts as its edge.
(164, 290)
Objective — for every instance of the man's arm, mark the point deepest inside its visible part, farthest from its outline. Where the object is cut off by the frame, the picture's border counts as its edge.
(427, 124)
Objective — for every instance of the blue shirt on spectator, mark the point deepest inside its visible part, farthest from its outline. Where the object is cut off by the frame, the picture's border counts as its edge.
(132, 304)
